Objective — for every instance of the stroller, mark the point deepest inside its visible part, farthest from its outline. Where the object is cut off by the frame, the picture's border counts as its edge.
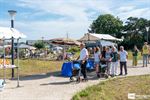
(103, 69)
(76, 71)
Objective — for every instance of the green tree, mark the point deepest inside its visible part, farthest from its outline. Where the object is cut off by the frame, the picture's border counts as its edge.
(135, 32)
(107, 24)
(39, 45)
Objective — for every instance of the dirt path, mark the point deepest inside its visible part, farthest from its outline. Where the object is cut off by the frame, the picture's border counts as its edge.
(44, 87)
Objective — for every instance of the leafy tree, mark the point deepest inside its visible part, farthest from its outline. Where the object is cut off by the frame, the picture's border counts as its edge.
(107, 24)
(39, 45)
(135, 31)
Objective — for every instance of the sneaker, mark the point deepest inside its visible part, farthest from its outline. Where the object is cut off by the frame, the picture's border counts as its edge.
(71, 79)
(126, 73)
(120, 74)
(98, 75)
(85, 79)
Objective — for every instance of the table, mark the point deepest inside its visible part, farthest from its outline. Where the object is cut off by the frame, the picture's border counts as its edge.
(67, 67)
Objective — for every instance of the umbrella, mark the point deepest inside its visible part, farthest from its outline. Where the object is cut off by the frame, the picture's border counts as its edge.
(8, 33)
(65, 41)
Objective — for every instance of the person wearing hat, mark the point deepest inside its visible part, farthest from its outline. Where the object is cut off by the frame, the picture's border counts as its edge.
(145, 51)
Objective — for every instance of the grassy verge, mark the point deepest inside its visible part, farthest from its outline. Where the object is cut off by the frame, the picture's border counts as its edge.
(116, 89)
(30, 67)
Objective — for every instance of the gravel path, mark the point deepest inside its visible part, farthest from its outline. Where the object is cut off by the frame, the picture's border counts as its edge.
(51, 87)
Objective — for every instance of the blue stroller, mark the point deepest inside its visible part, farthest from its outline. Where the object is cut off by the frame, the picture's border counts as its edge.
(76, 71)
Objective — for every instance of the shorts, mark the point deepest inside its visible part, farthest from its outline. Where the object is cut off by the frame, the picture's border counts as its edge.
(96, 62)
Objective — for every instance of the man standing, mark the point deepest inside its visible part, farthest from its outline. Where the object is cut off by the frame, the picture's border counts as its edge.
(123, 60)
(83, 59)
(145, 51)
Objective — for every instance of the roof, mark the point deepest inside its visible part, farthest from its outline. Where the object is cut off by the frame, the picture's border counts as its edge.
(93, 36)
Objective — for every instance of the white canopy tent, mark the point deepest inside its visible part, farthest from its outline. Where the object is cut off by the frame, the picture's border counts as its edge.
(94, 37)
(7, 34)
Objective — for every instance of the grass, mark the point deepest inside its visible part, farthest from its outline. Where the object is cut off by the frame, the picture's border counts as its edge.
(32, 66)
(116, 89)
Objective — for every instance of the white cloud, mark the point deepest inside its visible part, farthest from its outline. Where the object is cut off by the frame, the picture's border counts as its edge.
(81, 12)
(143, 12)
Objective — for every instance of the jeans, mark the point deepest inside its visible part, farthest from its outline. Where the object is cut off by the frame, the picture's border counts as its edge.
(108, 67)
(83, 69)
(125, 67)
(145, 59)
(114, 68)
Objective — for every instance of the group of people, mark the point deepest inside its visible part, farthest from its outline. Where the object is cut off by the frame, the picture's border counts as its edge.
(108, 56)
(111, 57)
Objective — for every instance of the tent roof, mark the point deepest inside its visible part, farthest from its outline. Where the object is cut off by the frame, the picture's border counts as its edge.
(7, 33)
(93, 37)
(25, 46)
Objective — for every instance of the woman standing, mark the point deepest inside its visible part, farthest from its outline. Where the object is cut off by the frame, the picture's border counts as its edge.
(135, 55)
(97, 57)
(114, 62)
(108, 58)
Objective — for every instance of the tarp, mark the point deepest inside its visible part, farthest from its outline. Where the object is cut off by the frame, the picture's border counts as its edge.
(7, 33)
(65, 41)
(93, 37)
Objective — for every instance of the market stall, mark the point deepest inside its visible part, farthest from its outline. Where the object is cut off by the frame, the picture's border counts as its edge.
(6, 34)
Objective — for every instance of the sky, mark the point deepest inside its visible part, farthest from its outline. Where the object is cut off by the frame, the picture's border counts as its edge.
(55, 18)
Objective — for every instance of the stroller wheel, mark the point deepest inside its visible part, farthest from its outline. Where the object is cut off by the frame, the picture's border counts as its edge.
(78, 80)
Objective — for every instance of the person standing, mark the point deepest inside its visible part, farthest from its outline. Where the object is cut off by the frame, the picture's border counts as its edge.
(83, 60)
(103, 55)
(114, 62)
(135, 55)
(97, 57)
(123, 60)
(108, 58)
(145, 51)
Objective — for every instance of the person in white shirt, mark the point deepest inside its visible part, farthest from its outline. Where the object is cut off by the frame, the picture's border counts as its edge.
(123, 60)
(83, 59)
(97, 56)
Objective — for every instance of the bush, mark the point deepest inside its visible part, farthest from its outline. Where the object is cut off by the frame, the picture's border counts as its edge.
(39, 45)
(73, 49)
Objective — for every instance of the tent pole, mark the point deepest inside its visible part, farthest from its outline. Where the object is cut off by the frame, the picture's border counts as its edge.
(18, 85)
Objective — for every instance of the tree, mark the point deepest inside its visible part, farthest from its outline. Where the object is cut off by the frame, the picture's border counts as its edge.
(107, 24)
(135, 31)
(39, 45)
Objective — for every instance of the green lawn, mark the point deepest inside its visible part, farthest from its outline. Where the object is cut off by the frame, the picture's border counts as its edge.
(30, 67)
(116, 89)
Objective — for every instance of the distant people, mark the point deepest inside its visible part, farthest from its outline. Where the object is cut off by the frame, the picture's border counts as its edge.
(149, 55)
(114, 62)
(108, 58)
(83, 60)
(145, 51)
(135, 56)
(97, 56)
(123, 60)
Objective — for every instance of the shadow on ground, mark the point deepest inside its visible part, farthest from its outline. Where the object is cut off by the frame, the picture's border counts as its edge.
(40, 76)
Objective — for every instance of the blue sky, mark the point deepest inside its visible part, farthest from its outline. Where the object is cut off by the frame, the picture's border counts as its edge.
(56, 18)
